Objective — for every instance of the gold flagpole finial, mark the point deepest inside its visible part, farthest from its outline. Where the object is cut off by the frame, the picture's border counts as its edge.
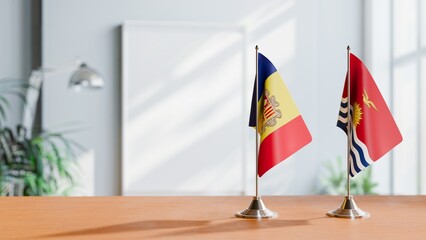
(348, 48)
(257, 47)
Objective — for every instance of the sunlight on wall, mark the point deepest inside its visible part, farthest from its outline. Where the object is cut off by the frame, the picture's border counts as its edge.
(394, 49)
(280, 49)
(405, 33)
(406, 115)
(215, 45)
(267, 13)
(186, 138)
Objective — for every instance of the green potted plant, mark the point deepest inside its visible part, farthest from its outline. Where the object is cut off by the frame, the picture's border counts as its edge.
(32, 166)
(333, 181)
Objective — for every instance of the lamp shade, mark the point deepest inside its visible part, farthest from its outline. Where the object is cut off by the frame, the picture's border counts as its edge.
(86, 77)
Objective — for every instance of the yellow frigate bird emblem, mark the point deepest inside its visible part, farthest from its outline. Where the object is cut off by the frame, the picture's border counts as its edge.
(367, 101)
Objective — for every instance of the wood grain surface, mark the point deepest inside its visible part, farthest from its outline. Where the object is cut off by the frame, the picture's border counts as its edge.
(300, 217)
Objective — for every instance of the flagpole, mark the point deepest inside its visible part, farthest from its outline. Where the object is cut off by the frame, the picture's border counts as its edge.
(348, 208)
(349, 122)
(257, 121)
(257, 208)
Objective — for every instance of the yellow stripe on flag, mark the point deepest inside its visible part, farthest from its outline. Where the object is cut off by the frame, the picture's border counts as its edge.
(276, 87)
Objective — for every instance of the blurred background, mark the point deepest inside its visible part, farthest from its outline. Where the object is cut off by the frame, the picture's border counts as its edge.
(172, 115)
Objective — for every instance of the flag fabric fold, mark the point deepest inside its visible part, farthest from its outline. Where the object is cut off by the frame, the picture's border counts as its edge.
(281, 128)
(373, 129)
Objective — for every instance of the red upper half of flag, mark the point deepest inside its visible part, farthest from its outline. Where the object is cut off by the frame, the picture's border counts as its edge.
(371, 117)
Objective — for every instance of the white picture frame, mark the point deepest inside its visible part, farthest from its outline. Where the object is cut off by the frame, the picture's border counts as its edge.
(183, 109)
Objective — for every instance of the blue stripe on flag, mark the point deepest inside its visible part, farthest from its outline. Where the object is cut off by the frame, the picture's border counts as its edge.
(341, 125)
(354, 164)
(266, 69)
(360, 152)
(356, 146)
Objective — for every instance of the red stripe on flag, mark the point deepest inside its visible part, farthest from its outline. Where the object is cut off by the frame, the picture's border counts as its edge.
(269, 114)
(268, 109)
(282, 143)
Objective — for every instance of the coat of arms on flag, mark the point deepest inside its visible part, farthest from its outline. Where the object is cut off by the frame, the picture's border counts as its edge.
(270, 111)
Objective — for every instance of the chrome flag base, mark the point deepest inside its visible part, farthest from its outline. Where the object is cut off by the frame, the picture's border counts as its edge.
(348, 209)
(257, 209)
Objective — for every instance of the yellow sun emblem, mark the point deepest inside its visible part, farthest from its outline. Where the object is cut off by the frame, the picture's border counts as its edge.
(357, 114)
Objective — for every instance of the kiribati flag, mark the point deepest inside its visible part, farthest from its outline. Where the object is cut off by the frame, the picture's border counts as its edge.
(281, 127)
(373, 129)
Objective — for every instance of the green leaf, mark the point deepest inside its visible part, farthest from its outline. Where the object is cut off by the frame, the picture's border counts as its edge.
(47, 162)
(4, 101)
(335, 177)
(3, 113)
(30, 180)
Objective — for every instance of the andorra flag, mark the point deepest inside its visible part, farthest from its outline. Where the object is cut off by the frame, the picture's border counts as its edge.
(281, 127)
(373, 129)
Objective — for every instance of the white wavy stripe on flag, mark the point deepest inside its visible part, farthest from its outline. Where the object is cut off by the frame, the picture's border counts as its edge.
(342, 109)
(352, 169)
(356, 152)
(342, 119)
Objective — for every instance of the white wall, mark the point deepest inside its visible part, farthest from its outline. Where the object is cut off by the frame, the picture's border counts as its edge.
(306, 40)
(378, 55)
(15, 47)
(396, 59)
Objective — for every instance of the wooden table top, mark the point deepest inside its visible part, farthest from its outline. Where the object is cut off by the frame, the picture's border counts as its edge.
(300, 217)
